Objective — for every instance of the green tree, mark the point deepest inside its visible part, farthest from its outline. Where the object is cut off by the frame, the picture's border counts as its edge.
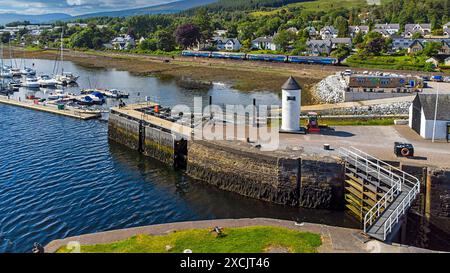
(149, 45)
(283, 39)
(358, 39)
(5, 37)
(341, 24)
(417, 35)
(165, 40)
(431, 49)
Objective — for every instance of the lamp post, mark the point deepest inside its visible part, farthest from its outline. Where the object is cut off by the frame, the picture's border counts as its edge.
(436, 111)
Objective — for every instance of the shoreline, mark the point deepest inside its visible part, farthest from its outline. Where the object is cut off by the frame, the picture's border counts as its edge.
(245, 77)
(334, 239)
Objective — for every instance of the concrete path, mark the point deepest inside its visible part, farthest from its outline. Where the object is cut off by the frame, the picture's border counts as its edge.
(334, 239)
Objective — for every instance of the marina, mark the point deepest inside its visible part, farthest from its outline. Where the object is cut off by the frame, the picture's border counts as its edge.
(62, 177)
(149, 100)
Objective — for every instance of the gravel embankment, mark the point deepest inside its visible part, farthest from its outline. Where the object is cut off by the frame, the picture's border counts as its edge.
(331, 89)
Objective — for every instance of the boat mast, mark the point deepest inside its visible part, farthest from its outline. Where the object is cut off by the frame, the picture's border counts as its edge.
(62, 50)
(1, 68)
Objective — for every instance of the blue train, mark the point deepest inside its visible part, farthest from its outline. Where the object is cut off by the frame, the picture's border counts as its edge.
(262, 57)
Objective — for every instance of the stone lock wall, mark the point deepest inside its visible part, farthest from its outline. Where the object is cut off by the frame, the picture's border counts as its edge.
(158, 144)
(322, 183)
(263, 177)
(439, 192)
(124, 131)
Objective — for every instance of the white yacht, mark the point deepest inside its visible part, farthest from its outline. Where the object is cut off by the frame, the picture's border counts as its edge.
(5, 73)
(46, 81)
(64, 78)
(26, 71)
(15, 72)
(31, 82)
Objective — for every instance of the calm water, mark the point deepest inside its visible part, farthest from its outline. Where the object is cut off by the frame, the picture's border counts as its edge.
(61, 177)
(168, 92)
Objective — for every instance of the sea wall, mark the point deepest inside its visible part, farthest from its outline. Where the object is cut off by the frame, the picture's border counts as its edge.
(275, 178)
(124, 130)
(158, 144)
(322, 183)
(438, 193)
(268, 178)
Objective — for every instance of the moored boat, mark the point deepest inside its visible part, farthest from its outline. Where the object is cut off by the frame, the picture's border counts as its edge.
(46, 81)
(30, 82)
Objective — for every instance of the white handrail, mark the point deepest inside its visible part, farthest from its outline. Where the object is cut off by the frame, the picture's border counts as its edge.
(400, 210)
(378, 168)
(391, 167)
(396, 187)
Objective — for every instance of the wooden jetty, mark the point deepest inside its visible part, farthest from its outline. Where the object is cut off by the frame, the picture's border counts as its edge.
(73, 113)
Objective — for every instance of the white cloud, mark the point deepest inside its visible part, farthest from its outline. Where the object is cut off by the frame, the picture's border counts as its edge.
(74, 7)
(76, 2)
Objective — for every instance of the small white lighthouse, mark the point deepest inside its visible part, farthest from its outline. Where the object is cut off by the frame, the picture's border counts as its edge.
(291, 103)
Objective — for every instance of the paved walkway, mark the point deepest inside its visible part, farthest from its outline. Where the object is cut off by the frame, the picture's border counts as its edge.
(334, 239)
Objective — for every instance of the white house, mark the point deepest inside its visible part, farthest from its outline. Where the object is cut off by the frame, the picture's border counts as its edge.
(422, 29)
(220, 32)
(229, 44)
(433, 61)
(81, 25)
(389, 28)
(123, 42)
(312, 31)
(353, 30)
(446, 29)
(447, 61)
(383, 32)
(264, 43)
(422, 115)
(328, 32)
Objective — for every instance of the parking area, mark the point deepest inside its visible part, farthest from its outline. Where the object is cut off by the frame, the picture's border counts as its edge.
(443, 87)
(375, 140)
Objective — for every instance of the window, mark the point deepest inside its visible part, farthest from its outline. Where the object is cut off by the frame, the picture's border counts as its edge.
(291, 98)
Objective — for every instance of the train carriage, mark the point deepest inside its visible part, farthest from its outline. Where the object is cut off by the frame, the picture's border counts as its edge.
(313, 60)
(267, 58)
(191, 53)
(228, 55)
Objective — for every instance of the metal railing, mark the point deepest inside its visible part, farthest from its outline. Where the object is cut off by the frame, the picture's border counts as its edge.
(400, 210)
(396, 177)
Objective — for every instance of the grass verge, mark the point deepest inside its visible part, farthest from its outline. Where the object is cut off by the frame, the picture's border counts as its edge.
(235, 240)
(387, 62)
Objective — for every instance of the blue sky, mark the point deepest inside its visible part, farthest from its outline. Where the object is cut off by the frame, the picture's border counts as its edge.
(73, 7)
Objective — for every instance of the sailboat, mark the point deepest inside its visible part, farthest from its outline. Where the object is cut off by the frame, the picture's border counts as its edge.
(25, 71)
(15, 71)
(4, 70)
(64, 78)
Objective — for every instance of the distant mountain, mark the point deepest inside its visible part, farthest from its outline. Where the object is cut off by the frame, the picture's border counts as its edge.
(173, 7)
(35, 19)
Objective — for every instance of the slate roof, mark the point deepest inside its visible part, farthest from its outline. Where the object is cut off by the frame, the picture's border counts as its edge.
(387, 26)
(291, 84)
(428, 102)
(263, 40)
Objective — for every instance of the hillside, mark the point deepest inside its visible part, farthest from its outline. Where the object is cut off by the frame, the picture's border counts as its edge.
(235, 5)
(174, 7)
(13, 17)
(320, 5)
